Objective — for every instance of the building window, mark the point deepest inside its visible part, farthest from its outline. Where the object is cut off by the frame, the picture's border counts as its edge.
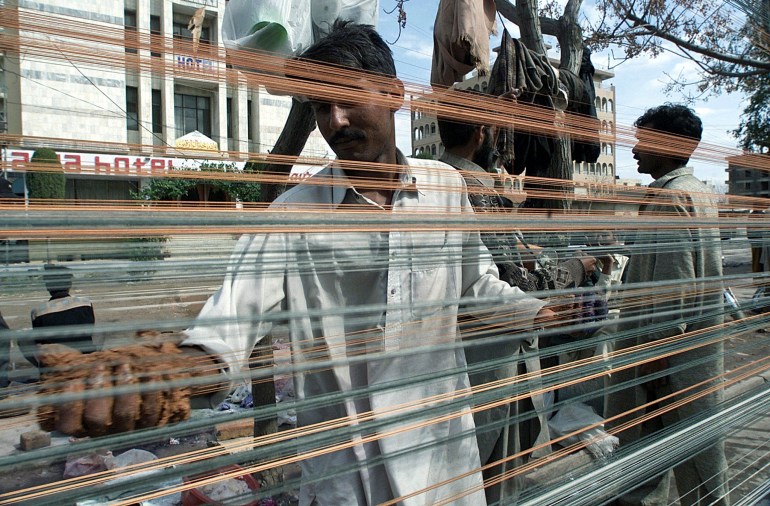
(155, 32)
(229, 118)
(130, 38)
(249, 116)
(157, 112)
(181, 32)
(191, 113)
(432, 128)
(132, 108)
(433, 150)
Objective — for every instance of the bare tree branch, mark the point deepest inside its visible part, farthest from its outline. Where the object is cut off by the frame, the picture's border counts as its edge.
(299, 125)
(696, 48)
(507, 10)
(548, 26)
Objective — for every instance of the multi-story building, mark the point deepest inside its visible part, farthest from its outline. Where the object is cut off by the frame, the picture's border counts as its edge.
(112, 85)
(426, 141)
(746, 178)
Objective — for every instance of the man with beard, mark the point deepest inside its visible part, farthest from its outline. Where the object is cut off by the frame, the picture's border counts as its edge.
(382, 388)
(470, 148)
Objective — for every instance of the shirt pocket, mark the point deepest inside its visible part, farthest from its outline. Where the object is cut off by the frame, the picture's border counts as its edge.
(431, 280)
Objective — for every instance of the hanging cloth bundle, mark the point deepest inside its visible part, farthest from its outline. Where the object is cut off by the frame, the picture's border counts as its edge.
(519, 69)
(461, 39)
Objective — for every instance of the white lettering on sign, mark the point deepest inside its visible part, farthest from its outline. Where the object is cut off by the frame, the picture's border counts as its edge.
(302, 172)
(194, 63)
(114, 165)
(134, 166)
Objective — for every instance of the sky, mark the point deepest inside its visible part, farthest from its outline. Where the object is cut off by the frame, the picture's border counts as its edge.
(639, 84)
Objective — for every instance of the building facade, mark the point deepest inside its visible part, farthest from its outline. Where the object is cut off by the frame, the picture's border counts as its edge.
(745, 177)
(426, 140)
(111, 85)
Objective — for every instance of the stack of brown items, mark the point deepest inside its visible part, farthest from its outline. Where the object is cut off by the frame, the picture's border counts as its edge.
(67, 371)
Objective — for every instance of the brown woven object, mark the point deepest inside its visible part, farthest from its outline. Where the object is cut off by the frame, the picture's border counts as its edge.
(100, 412)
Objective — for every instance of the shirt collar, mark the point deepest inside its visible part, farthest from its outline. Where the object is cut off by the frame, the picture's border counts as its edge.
(663, 180)
(466, 165)
(340, 184)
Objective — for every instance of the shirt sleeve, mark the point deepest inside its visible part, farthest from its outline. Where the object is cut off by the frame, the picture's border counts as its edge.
(480, 278)
(675, 261)
(232, 321)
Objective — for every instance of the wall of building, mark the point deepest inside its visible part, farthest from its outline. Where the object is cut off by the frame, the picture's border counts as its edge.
(605, 168)
(747, 182)
(133, 101)
(62, 99)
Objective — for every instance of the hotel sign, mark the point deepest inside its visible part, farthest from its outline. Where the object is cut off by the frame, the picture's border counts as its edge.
(193, 63)
(132, 166)
(113, 165)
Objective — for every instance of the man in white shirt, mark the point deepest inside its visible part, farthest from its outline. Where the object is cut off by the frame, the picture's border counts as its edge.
(406, 284)
(370, 270)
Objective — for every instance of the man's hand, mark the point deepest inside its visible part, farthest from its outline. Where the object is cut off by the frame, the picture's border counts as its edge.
(607, 261)
(589, 264)
(96, 409)
(528, 255)
(544, 317)
(559, 311)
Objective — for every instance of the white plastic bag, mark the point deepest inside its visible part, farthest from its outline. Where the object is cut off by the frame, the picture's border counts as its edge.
(576, 416)
(278, 26)
(288, 27)
(325, 12)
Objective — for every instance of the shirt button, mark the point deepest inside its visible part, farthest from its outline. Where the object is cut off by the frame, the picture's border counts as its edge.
(393, 291)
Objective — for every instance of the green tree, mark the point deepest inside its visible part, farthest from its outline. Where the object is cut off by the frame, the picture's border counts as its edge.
(424, 155)
(225, 189)
(754, 131)
(51, 183)
(243, 191)
(164, 189)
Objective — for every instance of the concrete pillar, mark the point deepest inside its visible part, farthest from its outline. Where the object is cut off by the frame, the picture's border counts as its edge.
(145, 79)
(256, 126)
(167, 92)
(241, 117)
(219, 128)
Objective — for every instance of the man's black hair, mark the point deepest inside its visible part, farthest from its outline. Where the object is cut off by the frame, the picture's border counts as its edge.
(455, 133)
(353, 45)
(57, 278)
(674, 119)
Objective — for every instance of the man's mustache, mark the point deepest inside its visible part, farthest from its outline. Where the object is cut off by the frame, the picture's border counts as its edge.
(347, 135)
